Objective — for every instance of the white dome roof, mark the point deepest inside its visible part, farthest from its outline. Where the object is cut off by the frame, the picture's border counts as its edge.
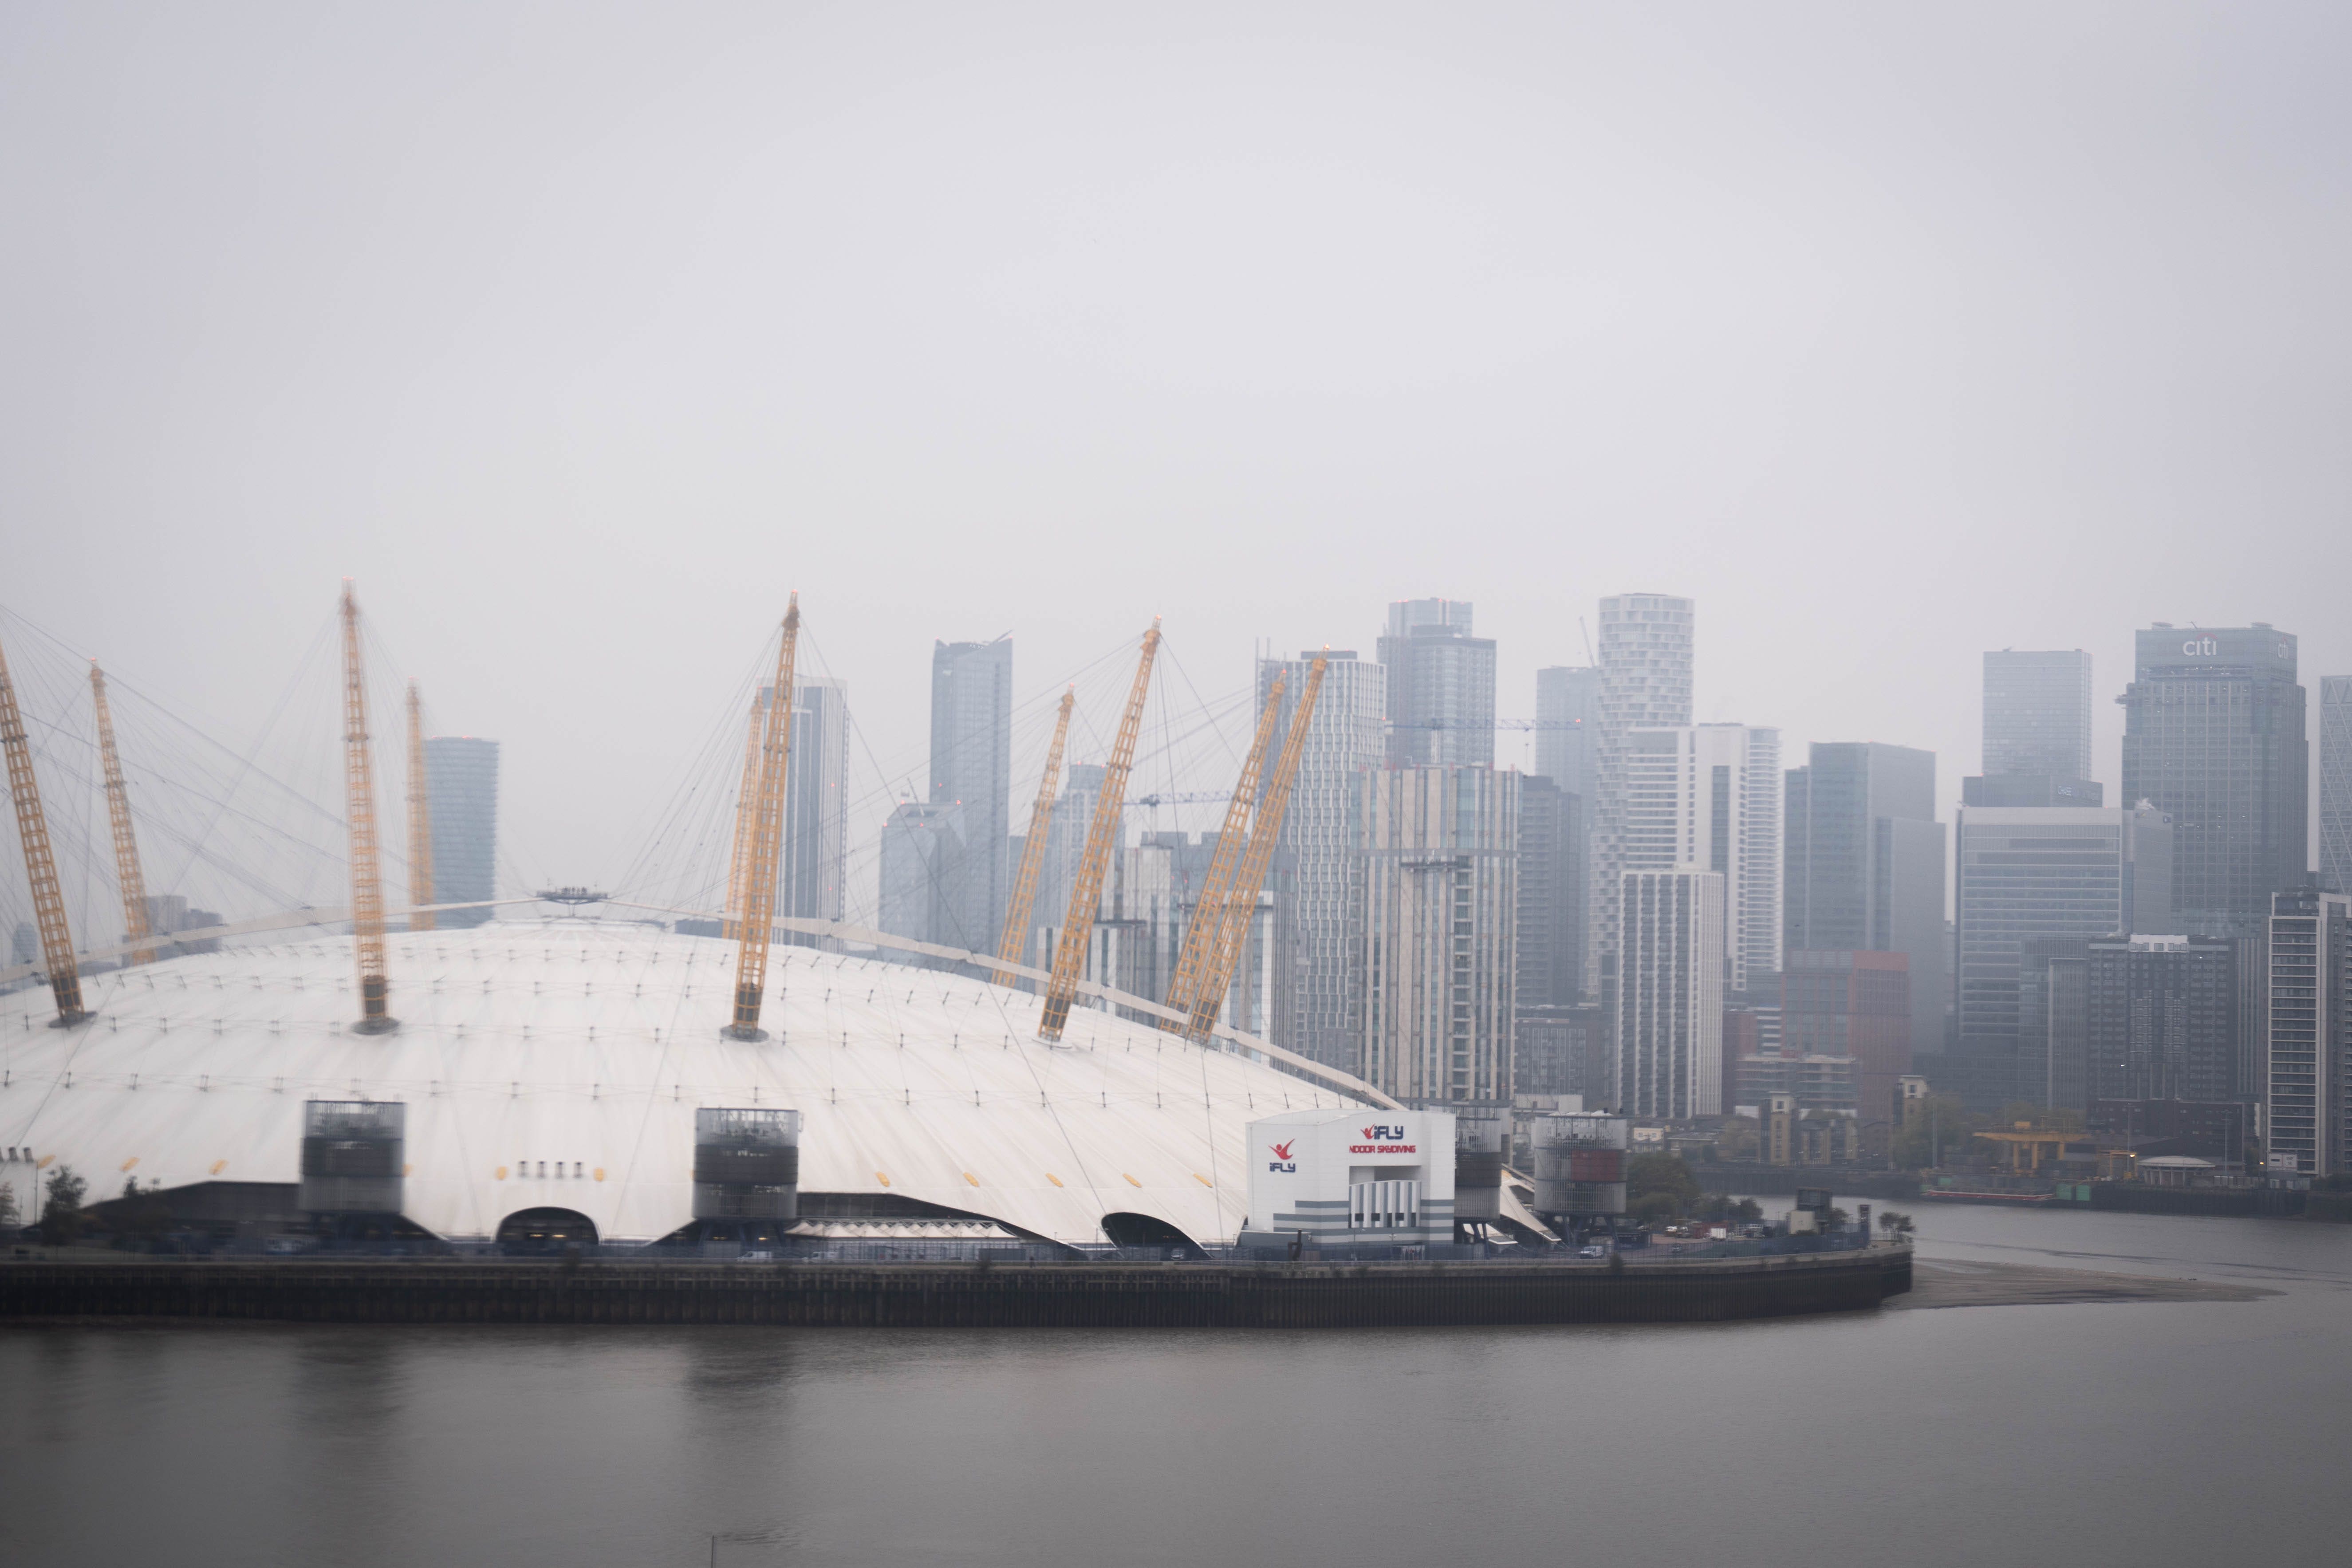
(583, 1044)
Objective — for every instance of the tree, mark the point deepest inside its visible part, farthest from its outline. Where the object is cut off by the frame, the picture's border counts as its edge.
(1935, 1130)
(1655, 1175)
(11, 1220)
(61, 1209)
(1653, 1209)
(1738, 1139)
(1894, 1224)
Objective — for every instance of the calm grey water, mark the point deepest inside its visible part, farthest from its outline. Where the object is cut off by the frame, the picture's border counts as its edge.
(2176, 1434)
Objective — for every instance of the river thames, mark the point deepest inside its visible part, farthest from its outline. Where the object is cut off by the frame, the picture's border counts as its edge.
(2088, 1433)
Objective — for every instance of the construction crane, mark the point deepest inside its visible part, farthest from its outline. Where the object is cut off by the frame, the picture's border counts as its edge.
(1102, 837)
(128, 878)
(762, 865)
(1208, 911)
(1015, 941)
(1199, 798)
(359, 798)
(747, 800)
(420, 821)
(1241, 905)
(40, 863)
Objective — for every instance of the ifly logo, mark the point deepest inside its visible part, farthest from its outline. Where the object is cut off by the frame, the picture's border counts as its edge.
(1281, 1163)
(1383, 1131)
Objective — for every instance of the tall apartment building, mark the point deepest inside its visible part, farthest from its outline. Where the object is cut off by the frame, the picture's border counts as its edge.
(1438, 851)
(1865, 866)
(971, 768)
(1552, 894)
(1669, 993)
(2213, 733)
(2162, 1018)
(1314, 1010)
(2024, 874)
(1441, 685)
(1567, 708)
(1710, 795)
(2310, 1045)
(2037, 713)
(2336, 783)
(461, 788)
(1646, 682)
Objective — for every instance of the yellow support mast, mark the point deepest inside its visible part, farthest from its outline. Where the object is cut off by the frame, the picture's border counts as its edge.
(1102, 840)
(764, 866)
(1014, 942)
(420, 821)
(1209, 909)
(1241, 905)
(359, 798)
(747, 804)
(40, 861)
(128, 878)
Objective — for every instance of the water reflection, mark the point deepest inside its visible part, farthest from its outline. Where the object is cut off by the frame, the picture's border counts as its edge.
(1793, 1441)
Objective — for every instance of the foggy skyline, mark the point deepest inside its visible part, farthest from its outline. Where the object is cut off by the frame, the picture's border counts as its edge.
(579, 338)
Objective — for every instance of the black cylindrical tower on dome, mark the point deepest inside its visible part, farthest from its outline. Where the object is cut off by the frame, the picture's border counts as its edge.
(747, 1164)
(354, 1156)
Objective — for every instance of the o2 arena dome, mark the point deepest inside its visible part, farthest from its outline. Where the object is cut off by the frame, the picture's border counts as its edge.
(569, 1077)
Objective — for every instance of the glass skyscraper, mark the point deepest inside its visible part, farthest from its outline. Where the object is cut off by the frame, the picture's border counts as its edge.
(461, 788)
(2029, 874)
(2336, 783)
(1568, 698)
(2037, 713)
(1865, 866)
(971, 768)
(2213, 733)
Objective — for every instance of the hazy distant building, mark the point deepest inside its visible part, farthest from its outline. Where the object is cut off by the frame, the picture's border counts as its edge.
(1441, 685)
(972, 766)
(921, 854)
(2336, 783)
(2044, 791)
(2162, 1018)
(23, 944)
(1646, 682)
(2037, 713)
(2064, 872)
(461, 788)
(1314, 1005)
(1568, 704)
(1065, 846)
(1435, 930)
(168, 912)
(816, 822)
(2309, 1059)
(1850, 1004)
(1551, 896)
(1669, 993)
(1710, 795)
(1865, 866)
(2213, 733)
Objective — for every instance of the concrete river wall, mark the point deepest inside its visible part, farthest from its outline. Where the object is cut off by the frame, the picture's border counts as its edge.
(957, 1295)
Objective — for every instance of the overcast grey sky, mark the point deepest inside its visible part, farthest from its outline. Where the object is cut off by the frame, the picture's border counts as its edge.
(577, 335)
